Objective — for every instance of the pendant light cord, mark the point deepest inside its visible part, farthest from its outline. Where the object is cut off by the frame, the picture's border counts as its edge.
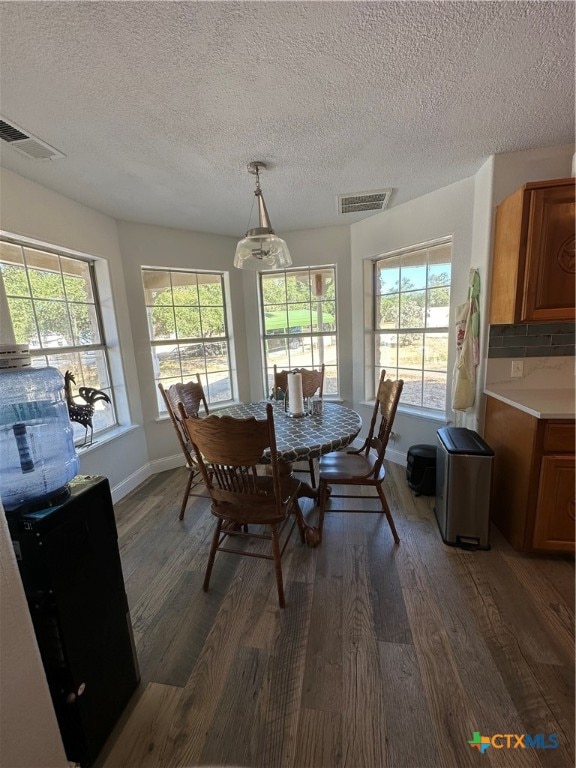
(250, 216)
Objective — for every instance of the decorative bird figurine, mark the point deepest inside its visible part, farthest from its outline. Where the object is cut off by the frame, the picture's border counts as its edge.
(82, 412)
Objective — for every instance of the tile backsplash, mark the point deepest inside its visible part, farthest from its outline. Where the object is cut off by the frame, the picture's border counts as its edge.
(532, 340)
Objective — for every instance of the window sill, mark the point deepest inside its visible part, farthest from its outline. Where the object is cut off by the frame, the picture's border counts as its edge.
(420, 413)
(104, 439)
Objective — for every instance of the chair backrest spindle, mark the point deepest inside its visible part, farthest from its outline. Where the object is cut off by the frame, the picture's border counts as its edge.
(232, 449)
(387, 399)
(312, 380)
(191, 395)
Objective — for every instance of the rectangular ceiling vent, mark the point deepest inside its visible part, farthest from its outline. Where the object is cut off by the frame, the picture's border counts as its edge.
(376, 200)
(26, 143)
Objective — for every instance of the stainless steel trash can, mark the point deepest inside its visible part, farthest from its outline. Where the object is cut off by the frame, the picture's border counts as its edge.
(463, 480)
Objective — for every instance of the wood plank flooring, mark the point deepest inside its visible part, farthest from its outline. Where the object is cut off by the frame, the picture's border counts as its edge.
(384, 657)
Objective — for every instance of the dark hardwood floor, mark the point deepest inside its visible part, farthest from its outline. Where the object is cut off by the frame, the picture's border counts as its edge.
(384, 655)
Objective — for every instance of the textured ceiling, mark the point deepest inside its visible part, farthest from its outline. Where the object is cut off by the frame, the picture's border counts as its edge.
(159, 106)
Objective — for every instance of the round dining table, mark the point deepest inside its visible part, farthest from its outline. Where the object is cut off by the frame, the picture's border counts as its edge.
(306, 437)
(303, 438)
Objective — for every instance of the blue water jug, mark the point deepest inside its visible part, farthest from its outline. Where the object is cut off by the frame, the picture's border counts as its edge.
(37, 454)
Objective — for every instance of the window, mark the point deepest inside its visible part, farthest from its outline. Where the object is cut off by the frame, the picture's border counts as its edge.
(299, 322)
(412, 305)
(188, 330)
(53, 305)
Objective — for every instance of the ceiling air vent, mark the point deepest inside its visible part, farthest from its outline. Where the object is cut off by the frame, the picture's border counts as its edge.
(376, 200)
(26, 144)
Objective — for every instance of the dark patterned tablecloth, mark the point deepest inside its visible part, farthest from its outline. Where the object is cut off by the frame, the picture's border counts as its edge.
(308, 436)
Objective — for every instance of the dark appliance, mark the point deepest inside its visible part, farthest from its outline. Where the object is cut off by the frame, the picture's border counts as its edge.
(70, 567)
(421, 469)
(463, 481)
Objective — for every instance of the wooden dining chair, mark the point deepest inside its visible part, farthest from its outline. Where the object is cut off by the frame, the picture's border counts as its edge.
(246, 498)
(191, 395)
(312, 384)
(365, 466)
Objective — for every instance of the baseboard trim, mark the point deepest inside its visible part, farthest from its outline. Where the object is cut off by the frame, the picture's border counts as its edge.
(173, 462)
(130, 483)
(143, 473)
(396, 457)
(168, 462)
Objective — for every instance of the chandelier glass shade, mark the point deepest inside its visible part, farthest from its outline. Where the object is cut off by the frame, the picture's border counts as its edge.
(261, 248)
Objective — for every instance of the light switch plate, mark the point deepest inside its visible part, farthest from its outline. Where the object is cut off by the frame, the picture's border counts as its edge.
(517, 370)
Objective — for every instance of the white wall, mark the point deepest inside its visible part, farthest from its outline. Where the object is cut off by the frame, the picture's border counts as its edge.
(308, 248)
(482, 223)
(447, 211)
(513, 169)
(466, 210)
(34, 212)
(152, 246)
(31, 211)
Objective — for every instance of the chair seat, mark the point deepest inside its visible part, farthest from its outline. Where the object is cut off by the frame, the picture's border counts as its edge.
(260, 510)
(340, 467)
(365, 467)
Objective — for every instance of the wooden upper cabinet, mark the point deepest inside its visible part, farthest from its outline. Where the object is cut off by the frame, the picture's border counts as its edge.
(533, 270)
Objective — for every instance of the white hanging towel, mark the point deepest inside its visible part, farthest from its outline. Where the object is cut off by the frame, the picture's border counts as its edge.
(467, 347)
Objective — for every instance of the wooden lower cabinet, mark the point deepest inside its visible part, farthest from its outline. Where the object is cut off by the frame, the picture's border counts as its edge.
(554, 521)
(533, 482)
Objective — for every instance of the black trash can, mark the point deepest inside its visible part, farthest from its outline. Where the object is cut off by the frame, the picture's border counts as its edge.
(421, 469)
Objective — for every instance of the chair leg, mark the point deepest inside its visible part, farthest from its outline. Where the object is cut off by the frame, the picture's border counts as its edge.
(277, 565)
(312, 478)
(212, 555)
(386, 510)
(299, 519)
(186, 495)
(322, 498)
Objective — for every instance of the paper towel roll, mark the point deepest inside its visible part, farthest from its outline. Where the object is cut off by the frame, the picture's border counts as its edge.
(295, 397)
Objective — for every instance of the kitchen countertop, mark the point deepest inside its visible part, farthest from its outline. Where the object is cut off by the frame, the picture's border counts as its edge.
(542, 403)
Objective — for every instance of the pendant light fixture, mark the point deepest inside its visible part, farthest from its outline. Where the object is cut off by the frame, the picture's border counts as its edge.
(261, 248)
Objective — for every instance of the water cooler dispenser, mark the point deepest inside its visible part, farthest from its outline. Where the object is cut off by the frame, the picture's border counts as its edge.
(64, 535)
(37, 454)
(70, 567)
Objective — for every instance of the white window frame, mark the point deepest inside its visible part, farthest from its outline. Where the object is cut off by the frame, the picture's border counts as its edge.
(179, 344)
(294, 337)
(49, 351)
(376, 332)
